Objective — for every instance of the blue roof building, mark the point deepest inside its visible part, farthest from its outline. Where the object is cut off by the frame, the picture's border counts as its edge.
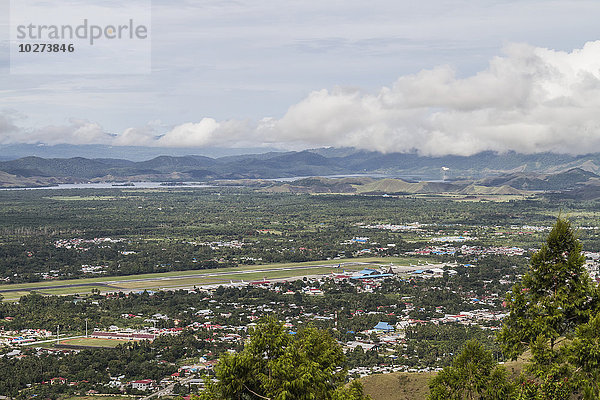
(383, 327)
(369, 274)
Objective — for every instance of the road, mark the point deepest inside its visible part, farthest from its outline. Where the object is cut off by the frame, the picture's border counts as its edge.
(50, 340)
(168, 389)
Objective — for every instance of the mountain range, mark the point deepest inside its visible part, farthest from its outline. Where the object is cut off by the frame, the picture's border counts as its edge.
(521, 172)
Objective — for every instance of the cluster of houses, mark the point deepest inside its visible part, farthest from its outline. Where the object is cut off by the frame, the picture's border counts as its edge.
(466, 250)
(593, 264)
(23, 336)
(235, 244)
(94, 269)
(227, 323)
(83, 244)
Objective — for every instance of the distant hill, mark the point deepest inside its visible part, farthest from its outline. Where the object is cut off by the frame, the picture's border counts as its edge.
(474, 189)
(536, 181)
(389, 186)
(545, 171)
(399, 186)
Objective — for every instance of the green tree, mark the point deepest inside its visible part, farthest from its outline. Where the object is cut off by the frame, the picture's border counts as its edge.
(474, 374)
(555, 295)
(584, 355)
(276, 365)
(550, 315)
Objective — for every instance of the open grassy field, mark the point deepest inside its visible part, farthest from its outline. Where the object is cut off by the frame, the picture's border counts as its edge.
(415, 386)
(93, 342)
(13, 296)
(71, 290)
(398, 386)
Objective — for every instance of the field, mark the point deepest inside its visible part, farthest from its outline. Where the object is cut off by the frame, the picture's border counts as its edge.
(415, 386)
(398, 386)
(93, 342)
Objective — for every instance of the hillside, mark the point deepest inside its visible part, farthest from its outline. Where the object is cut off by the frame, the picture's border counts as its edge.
(404, 173)
(370, 186)
(415, 385)
(398, 386)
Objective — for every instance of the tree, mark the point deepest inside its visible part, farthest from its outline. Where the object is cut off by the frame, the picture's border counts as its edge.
(584, 354)
(554, 314)
(474, 374)
(555, 296)
(276, 365)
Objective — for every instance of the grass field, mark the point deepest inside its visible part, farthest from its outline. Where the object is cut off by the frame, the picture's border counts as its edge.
(13, 296)
(73, 290)
(398, 386)
(415, 386)
(93, 342)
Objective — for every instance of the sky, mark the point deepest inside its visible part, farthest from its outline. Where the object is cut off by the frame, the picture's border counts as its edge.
(437, 77)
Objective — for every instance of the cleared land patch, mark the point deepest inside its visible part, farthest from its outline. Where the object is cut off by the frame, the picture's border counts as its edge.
(93, 342)
(398, 386)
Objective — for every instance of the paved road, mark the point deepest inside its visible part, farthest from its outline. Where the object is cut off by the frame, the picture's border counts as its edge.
(167, 390)
(50, 340)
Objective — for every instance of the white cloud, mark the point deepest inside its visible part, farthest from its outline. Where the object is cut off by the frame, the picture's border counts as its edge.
(7, 127)
(208, 132)
(76, 132)
(529, 100)
(144, 136)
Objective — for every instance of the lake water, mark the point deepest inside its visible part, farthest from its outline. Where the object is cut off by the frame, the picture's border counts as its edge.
(136, 185)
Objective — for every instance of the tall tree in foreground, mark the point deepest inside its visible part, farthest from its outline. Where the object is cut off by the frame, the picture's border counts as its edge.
(275, 365)
(552, 314)
(474, 374)
(554, 297)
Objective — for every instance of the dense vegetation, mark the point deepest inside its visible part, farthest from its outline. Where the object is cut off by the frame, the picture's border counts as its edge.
(54, 234)
(276, 365)
(554, 314)
(49, 234)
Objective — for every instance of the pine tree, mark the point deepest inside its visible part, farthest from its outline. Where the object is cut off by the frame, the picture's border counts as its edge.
(474, 374)
(555, 295)
(275, 365)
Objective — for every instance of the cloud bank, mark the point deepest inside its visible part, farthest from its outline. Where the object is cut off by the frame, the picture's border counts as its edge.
(528, 100)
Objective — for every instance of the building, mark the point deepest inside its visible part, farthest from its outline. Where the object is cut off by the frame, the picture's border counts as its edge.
(143, 384)
(383, 327)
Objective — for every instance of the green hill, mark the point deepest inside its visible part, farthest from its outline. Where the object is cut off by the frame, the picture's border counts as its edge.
(415, 385)
(401, 186)
(398, 386)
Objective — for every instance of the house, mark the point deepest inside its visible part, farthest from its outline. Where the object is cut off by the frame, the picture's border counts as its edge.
(58, 381)
(143, 384)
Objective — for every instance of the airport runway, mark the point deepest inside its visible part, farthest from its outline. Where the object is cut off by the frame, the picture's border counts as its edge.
(115, 284)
